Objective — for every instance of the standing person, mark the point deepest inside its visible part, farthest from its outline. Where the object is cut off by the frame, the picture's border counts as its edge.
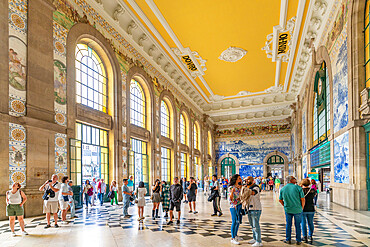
(308, 210)
(216, 201)
(176, 194)
(292, 198)
(263, 184)
(71, 200)
(271, 183)
(87, 191)
(224, 187)
(206, 185)
(126, 194)
(15, 199)
(113, 188)
(314, 187)
(192, 195)
(101, 191)
(140, 194)
(254, 212)
(93, 184)
(235, 207)
(184, 186)
(131, 186)
(156, 198)
(63, 198)
(277, 184)
(165, 196)
(51, 194)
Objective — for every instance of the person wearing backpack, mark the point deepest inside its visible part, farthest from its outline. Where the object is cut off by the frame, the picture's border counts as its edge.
(51, 194)
(15, 198)
(176, 195)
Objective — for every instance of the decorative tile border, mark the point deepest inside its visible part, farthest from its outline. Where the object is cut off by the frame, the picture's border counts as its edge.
(17, 154)
(60, 155)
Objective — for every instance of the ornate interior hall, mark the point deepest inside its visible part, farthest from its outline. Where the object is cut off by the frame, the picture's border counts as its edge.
(94, 90)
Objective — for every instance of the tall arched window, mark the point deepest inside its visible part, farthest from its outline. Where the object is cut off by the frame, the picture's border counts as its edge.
(91, 78)
(209, 143)
(367, 44)
(321, 109)
(165, 120)
(137, 104)
(196, 136)
(183, 127)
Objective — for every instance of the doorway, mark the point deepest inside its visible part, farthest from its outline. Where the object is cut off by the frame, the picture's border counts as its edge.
(139, 163)
(227, 167)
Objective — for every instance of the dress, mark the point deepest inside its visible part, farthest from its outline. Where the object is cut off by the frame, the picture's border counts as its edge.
(156, 196)
(141, 192)
(165, 197)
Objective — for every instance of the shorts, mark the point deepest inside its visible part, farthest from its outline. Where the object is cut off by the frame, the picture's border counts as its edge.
(192, 198)
(175, 204)
(156, 198)
(50, 207)
(63, 205)
(14, 210)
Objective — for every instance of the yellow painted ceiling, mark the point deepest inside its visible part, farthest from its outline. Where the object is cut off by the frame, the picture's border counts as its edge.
(211, 26)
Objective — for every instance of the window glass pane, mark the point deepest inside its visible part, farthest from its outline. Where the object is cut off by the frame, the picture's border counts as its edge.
(182, 129)
(165, 120)
(137, 104)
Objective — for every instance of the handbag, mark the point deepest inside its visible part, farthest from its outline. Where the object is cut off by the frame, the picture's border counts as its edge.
(132, 198)
(65, 198)
(110, 195)
(90, 192)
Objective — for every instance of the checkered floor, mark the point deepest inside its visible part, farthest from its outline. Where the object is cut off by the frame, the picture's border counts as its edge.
(326, 232)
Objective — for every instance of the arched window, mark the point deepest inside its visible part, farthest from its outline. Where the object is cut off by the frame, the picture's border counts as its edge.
(91, 78)
(183, 128)
(367, 44)
(196, 136)
(137, 104)
(165, 120)
(321, 108)
(209, 143)
(275, 160)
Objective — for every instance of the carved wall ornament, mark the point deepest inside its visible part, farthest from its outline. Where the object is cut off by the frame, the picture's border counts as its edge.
(193, 61)
(118, 11)
(274, 89)
(232, 54)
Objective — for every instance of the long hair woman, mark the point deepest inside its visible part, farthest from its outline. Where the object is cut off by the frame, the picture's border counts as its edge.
(88, 192)
(140, 195)
(235, 186)
(113, 188)
(165, 195)
(156, 198)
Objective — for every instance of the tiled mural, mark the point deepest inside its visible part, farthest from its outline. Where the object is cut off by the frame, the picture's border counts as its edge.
(304, 167)
(268, 129)
(17, 57)
(251, 170)
(341, 158)
(17, 154)
(292, 143)
(252, 151)
(60, 155)
(340, 81)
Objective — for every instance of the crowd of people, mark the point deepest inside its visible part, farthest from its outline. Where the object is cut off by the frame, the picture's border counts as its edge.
(243, 195)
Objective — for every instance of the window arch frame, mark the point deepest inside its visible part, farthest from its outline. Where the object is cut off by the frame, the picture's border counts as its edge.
(183, 129)
(196, 135)
(143, 112)
(165, 117)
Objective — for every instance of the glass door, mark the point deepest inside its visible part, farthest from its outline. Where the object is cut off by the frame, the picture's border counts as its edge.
(139, 163)
(228, 167)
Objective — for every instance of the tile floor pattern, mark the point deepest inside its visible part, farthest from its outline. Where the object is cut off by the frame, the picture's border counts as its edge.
(194, 230)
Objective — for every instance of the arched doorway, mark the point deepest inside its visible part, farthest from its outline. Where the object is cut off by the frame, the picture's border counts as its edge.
(276, 166)
(228, 167)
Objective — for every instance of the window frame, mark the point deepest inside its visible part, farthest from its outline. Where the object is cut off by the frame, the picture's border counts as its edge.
(138, 102)
(165, 126)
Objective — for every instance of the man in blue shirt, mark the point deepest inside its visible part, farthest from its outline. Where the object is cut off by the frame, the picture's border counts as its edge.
(126, 193)
(292, 198)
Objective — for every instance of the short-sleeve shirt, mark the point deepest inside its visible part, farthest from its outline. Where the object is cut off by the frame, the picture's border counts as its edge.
(255, 202)
(56, 197)
(125, 196)
(236, 195)
(193, 188)
(130, 183)
(291, 194)
(63, 189)
(70, 190)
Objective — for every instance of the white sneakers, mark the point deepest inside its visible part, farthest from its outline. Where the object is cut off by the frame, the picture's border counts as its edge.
(233, 241)
(24, 233)
(239, 238)
(257, 244)
(252, 241)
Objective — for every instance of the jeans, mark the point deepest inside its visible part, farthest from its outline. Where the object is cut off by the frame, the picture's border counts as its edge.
(254, 221)
(87, 200)
(263, 186)
(236, 218)
(126, 205)
(93, 198)
(307, 217)
(315, 199)
(216, 205)
(73, 210)
(101, 196)
(297, 224)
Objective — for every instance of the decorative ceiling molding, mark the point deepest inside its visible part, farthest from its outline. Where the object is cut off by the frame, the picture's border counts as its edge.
(188, 57)
(232, 54)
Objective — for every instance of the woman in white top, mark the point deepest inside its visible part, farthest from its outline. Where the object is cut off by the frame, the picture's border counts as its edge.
(63, 198)
(15, 198)
(140, 195)
(114, 189)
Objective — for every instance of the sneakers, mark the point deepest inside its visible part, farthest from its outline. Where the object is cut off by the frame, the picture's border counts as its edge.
(233, 241)
(56, 225)
(287, 241)
(252, 241)
(239, 238)
(257, 244)
(47, 226)
(298, 243)
(195, 212)
(220, 214)
(13, 234)
(190, 212)
(178, 221)
(24, 233)
(170, 222)
(127, 216)
(213, 214)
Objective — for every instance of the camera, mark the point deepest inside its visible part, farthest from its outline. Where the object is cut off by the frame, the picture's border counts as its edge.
(50, 181)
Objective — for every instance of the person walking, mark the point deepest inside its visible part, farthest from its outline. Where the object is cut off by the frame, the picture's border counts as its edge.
(292, 198)
(235, 186)
(314, 187)
(277, 184)
(192, 195)
(131, 186)
(263, 184)
(184, 188)
(165, 197)
(156, 198)
(217, 197)
(15, 199)
(88, 192)
(71, 200)
(126, 194)
(224, 187)
(140, 195)
(93, 184)
(176, 195)
(308, 210)
(101, 191)
(64, 199)
(113, 189)
(51, 194)
(206, 185)
(271, 183)
(254, 212)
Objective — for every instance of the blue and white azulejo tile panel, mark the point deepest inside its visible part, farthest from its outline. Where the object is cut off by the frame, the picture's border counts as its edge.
(341, 158)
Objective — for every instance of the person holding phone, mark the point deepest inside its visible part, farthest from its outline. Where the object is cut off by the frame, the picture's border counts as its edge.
(235, 207)
(192, 194)
(15, 199)
(156, 198)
